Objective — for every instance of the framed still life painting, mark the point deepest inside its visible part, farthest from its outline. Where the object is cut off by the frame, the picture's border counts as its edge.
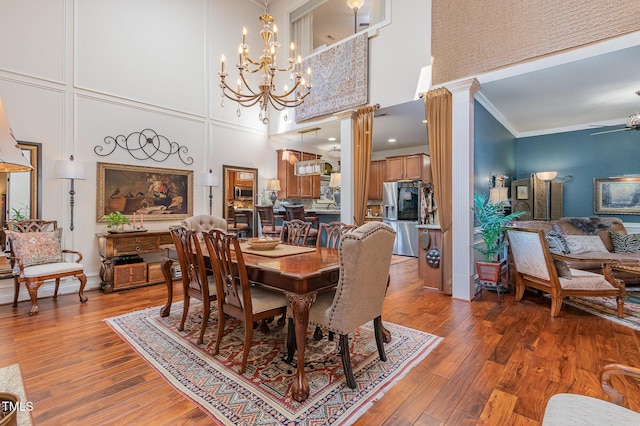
(159, 194)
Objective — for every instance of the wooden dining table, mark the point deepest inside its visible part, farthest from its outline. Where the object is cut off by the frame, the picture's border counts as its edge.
(299, 276)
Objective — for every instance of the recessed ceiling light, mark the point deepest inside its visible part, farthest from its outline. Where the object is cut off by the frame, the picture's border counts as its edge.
(391, 140)
(332, 139)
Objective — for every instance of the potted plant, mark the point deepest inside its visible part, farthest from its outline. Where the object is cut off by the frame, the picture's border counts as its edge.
(492, 221)
(116, 221)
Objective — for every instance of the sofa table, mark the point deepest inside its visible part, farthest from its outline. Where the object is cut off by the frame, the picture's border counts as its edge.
(120, 277)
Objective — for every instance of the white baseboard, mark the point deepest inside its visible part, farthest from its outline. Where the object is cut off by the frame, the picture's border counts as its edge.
(67, 286)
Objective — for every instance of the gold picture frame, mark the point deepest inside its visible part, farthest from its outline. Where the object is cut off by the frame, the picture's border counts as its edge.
(158, 193)
(619, 195)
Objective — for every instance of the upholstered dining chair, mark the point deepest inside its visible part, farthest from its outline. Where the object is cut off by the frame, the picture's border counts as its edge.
(295, 232)
(233, 225)
(329, 235)
(565, 408)
(195, 280)
(37, 256)
(296, 211)
(536, 267)
(204, 222)
(267, 221)
(365, 257)
(238, 298)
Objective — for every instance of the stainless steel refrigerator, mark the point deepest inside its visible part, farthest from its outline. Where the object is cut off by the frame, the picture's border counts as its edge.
(401, 211)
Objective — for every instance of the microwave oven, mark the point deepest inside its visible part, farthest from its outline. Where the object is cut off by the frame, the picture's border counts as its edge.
(242, 193)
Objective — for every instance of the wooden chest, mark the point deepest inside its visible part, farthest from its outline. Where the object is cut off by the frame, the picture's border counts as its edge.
(129, 275)
(154, 271)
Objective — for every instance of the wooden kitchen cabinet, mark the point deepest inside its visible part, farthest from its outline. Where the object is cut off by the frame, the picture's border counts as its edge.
(292, 186)
(377, 176)
(408, 167)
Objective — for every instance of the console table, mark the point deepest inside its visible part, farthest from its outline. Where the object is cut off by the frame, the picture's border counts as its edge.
(120, 277)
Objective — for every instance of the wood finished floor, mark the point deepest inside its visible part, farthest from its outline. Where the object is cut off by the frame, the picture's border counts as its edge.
(497, 365)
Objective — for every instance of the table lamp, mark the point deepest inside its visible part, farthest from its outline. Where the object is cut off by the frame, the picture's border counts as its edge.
(273, 185)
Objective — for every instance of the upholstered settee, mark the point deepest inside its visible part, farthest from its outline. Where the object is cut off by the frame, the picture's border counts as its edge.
(596, 249)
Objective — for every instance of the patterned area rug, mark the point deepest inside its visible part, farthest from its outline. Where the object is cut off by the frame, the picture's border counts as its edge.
(262, 395)
(606, 307)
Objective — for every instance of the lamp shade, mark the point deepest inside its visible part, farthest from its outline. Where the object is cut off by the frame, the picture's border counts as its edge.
(11, 157)
(499, 195)
(355, 4)
(209, 179)
(546, 175)
(334, 182)
(69, 169)
(273, 185)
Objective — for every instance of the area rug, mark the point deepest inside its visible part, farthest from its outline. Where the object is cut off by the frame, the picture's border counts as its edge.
(11, 381)
(262, 395)
(606, 307)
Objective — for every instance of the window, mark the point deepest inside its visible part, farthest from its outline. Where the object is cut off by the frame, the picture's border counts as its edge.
(321, 23)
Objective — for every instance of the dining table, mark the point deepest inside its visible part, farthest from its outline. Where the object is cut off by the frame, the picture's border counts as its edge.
(300, 276)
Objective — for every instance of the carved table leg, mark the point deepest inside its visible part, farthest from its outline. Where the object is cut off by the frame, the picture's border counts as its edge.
(106, 273)
(300, 304)
(168, 279)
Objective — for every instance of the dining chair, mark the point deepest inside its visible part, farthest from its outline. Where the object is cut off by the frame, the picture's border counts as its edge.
(295, 232)
(204, 222)
(535, 267)
(233, 225)
(195, 280)
(365, 258)
(329, 234)
(37, 256)
(267, 221)
(238, 298)
(574, 409)
(296, 211)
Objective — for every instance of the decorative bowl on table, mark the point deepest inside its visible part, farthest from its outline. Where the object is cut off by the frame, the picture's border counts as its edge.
(263, 243)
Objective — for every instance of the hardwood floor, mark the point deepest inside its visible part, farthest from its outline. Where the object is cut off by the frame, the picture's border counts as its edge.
(496, 365)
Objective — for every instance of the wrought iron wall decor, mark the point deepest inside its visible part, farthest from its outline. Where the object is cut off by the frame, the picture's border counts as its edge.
(145, 145)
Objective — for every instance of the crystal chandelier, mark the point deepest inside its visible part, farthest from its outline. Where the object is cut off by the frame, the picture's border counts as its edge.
(266, 94)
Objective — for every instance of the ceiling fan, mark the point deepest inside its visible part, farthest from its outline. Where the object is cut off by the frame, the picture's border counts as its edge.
(632, 124)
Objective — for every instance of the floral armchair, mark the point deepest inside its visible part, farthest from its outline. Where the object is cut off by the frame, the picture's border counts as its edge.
(37, 256)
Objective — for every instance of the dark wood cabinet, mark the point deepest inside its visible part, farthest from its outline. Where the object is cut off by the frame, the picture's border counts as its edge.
(292, 186)
(428, 239)
(377, 176)
(118, 277)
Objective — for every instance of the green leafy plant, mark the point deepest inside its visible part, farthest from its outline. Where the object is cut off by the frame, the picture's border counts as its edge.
(19, 214)
(116, 219)
(492, 221)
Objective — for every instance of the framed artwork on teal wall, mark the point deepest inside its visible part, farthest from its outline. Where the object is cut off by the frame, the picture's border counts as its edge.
(619, 195)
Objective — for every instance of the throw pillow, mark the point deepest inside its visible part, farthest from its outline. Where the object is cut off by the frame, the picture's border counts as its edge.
(37, 248)
(556, 243)
(579, 244)
(563, 269)
(625, 243)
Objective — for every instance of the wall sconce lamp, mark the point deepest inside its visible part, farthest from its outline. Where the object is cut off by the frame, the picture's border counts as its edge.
(210, 180)
(273, 185)
(11, 158)
(70, 169)
(547, 177)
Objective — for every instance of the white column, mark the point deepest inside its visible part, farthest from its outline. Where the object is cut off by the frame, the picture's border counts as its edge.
(346, 166)
(462, 188)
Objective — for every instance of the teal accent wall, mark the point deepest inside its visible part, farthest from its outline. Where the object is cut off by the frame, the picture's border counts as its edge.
(494, 150)
(583, 156)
